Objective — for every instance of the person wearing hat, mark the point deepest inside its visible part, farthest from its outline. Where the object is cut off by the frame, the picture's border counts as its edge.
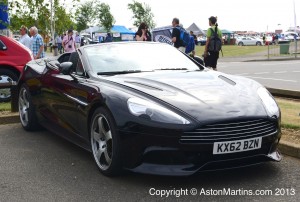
(211, 57)
(68, 42)
(25, 39)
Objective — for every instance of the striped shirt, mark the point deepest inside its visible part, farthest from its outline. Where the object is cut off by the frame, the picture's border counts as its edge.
(37, 42)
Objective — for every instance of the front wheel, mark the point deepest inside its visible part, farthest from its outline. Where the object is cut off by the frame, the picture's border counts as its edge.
(27, 110)
(105, 142)
(240, 44)
(258, 43)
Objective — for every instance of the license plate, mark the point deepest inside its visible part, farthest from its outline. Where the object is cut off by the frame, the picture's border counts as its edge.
(237, 146)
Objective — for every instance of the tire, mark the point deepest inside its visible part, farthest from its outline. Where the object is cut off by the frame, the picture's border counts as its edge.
(105, 143)
(6, 76)
(240, 43)
(258, 43)
(27, 110)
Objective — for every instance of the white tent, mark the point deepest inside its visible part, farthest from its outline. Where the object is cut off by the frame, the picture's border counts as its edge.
(197, 31)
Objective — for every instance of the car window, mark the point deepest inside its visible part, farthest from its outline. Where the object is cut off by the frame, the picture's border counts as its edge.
(136, 56)
(79, 69)
(2, 46)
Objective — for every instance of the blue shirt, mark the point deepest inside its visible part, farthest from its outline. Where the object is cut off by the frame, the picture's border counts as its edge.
(191, 45)
(37, 42)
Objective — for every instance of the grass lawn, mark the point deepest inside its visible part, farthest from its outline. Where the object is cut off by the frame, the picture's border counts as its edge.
(234, 50)
(4, 106)
(290, 112)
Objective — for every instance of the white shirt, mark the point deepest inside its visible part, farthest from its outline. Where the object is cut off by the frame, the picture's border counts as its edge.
(25, 40)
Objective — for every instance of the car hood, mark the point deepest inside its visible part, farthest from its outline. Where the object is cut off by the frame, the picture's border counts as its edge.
(204, 95)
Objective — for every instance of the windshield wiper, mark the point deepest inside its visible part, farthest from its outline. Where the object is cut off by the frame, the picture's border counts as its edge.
(121, 72)
(172, 69)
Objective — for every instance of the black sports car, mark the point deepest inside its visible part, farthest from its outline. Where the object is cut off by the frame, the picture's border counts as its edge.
(149, 108)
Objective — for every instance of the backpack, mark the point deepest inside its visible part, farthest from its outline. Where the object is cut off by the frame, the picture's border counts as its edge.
(184, 36)
(215, 43)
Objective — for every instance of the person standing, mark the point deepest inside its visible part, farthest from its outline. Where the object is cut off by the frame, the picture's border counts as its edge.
(68, 42)
(176, 35)
(211, 56)
(190, 48)
(25, 39)
(143, 34)
(108, 38)
(77, 41)
(59, 42)
(37, 43)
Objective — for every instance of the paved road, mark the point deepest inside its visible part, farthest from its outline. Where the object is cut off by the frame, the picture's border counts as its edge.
(40, 166)
(275, 74)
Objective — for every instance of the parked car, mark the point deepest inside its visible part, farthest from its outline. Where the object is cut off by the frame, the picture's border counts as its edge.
(248, 41)
(291, 36)
(153, 111)
(201, 41)
(13, 56)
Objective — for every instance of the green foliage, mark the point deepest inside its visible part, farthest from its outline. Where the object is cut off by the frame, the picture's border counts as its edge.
(63, 20)
(141, 13)
(105, 17)
(38, 13)
(85, 15)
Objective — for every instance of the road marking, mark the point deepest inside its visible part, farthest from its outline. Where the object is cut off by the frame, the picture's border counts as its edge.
(285, 63)
(293, 81)
(241, 74)
(280, 72)
(296, 71)
(262, 73)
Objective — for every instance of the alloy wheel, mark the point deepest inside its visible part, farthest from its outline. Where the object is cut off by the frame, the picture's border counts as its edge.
(101, 142)
(24, 106)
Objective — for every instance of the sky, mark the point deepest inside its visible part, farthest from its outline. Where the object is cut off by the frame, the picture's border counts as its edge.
(252, 15)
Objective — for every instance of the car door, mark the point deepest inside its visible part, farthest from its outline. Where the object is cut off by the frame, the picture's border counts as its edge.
(67, 98)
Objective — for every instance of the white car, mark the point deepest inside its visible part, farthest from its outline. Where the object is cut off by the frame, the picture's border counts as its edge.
(248, 41)
(291, 36)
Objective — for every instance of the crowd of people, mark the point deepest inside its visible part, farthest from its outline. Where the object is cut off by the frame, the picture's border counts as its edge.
(70, 42)
(34, 41)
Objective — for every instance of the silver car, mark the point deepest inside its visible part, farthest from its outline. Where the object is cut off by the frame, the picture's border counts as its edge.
(249, 41)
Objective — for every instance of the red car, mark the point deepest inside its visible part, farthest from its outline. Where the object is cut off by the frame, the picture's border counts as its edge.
(13, 57)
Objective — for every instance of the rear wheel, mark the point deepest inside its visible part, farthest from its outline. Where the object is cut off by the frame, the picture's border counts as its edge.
(240, 43)
(27, 110)
(6, 76)
(258, 43)
(105, 143)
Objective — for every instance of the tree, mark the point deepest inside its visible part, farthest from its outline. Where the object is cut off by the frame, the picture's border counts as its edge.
(141, 13)
(38, 13)
(106, 19)
(63, 20)
(85, 15)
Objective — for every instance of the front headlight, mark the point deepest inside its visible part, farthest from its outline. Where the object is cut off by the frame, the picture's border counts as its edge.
(152, 111)
(269, 102)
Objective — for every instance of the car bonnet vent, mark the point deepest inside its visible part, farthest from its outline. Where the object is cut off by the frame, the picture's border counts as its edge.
(227, 80)
(144, 85)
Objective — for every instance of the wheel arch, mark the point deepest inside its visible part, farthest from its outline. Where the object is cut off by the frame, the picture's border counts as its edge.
(94, 106)
(11, 68)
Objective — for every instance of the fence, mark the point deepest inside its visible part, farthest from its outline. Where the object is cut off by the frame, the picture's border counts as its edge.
(284, 50)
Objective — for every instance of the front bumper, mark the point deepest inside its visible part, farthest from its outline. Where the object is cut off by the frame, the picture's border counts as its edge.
(166, 155)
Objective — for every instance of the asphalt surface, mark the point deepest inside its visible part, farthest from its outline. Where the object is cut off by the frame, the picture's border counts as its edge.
(274, 74)
(41, 166)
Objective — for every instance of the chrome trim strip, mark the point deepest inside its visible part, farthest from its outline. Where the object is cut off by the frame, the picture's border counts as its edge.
(76, 100)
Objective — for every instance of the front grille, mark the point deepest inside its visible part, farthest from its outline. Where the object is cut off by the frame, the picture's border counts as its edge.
(228, 131)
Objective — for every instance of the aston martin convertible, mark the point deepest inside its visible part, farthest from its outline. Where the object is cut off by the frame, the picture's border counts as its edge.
(148, 108)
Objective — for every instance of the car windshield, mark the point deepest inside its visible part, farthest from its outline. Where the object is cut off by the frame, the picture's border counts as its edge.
(136, 57)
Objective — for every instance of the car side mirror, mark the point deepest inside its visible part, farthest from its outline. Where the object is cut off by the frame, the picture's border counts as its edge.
(65, 68)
